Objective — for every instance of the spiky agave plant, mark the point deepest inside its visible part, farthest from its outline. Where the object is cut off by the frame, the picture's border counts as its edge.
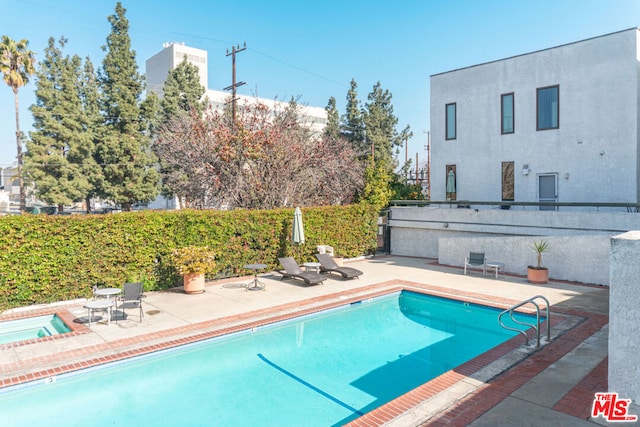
(540, 247)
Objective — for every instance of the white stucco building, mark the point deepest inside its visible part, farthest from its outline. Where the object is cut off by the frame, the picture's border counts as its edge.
(172, 54)
(559, 124)
(159, 65)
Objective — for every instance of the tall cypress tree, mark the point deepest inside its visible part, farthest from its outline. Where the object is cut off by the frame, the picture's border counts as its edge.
(124, 150)
(352, 123)
(182, 95)
(90, 95)
(182, 90)
(332, 130)
(380, 123)
(61, 147)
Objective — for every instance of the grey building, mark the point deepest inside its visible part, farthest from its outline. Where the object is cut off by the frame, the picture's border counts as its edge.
(559, 124)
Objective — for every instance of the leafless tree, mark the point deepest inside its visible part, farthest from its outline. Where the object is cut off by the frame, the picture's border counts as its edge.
(267, 159)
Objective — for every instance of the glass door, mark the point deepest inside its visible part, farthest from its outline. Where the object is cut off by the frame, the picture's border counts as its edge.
(548, 190)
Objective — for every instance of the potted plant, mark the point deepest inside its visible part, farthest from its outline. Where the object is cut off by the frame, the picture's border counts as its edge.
(538, 274)
(192, 263)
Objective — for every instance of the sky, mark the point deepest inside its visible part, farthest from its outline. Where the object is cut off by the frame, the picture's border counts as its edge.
(311, 50)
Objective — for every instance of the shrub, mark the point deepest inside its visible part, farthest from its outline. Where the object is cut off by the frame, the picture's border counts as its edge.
(193, 259)
(52, 258)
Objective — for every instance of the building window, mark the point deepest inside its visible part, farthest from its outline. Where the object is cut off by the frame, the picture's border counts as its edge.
(452, 185)
(548, 108)
(507, 113)
(450, 120)
(508, 193)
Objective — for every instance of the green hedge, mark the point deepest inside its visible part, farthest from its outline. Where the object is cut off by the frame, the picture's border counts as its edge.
(53, 258)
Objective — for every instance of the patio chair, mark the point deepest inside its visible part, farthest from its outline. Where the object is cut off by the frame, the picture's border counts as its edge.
(131, 298)
(293, 270)
(329, 265)
(325, 249)
(476, 260)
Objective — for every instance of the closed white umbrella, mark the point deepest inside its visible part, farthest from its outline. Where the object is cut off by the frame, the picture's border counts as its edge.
(298, 230)
(297, 236)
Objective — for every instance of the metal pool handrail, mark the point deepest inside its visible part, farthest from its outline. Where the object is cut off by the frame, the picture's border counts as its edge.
(531, 300)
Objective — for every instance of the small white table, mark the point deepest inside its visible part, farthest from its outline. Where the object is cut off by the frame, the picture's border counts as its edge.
(496, 266)
(99, 305)
(255, 285)
(312, 266)
(108, 292)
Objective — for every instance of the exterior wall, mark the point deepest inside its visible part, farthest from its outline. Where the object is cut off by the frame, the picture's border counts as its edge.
(172, 54)
(579, 240)
(593, 153)
(159, 65)
(575, 258)
(163, 203)
(10, 187)
(624, 317)
(314, 117)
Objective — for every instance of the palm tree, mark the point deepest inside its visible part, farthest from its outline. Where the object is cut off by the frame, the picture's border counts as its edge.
(17, 63)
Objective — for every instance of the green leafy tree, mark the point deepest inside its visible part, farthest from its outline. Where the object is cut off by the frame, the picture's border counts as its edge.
(182, 90)
(404, 191)
(59, 156)
(371, 130)
(151, 109)
(352, 122)
(17, 63)
(123, 151)
(90, 94)
(380, 124)
(377, 188)
(332, 130)
(182, 96)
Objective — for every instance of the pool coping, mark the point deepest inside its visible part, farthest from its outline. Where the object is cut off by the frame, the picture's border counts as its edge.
(409, 402)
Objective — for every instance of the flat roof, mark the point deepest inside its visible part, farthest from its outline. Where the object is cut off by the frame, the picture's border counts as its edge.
(535, 51)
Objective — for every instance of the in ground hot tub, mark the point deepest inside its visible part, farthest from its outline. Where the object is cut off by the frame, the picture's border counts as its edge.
(31, 328)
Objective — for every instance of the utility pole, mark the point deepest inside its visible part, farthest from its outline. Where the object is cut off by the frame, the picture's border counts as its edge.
(234, 85)
(428, 148)
(407, 175)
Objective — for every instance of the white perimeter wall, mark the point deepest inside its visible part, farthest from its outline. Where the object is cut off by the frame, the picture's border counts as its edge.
(579, 241)
(624, 317)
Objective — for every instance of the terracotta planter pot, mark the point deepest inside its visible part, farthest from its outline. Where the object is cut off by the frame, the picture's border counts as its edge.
(538, 276)
(193, 283)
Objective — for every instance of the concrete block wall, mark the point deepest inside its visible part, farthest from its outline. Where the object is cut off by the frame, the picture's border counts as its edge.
(574, 258)
(579, 240)
(624, 316)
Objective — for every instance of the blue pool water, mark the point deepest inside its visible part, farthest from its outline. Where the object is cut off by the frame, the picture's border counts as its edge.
(319, 370)
(31, 327)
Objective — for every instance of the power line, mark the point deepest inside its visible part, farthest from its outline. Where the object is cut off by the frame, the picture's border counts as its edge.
(295, 67)
(273, 58)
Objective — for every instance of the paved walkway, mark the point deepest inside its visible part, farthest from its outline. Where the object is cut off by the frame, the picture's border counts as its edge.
(552, 386)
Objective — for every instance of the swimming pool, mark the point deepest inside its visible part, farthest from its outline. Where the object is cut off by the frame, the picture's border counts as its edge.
(323, 369)
(31, 328)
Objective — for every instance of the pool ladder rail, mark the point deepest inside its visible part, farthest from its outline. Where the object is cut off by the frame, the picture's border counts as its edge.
(536, 326)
